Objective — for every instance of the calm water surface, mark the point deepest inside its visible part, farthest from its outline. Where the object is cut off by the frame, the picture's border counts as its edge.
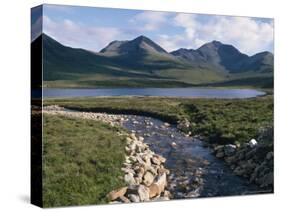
(164, 92)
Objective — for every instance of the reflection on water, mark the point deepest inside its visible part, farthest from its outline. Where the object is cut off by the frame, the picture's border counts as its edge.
(168, 92)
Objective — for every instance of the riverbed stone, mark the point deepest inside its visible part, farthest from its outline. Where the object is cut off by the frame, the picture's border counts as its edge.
(128, 170)
(161, 181)
(124, 199)
(154, 190)
(151, 168)
(269, 155)
(134, 197)
(239, 171)
(219, 148)
(113, 195)
(129, 140)
(129, 179)
(140, 171)
(184, 125)
(148, 178)
(267, 180)
(230, 159)
(141, 138)
(166, 124)
(161, 171)
(155, 160)
(229, 149)
(174, 144)
(143, 192)
(220, 154)
(133, 136)
(253, 143)
(162, 159)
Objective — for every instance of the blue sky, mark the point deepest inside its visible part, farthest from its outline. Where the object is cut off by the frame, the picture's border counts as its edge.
(93, 28)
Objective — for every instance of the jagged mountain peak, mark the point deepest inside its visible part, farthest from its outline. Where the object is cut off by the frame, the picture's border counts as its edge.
(134, 46)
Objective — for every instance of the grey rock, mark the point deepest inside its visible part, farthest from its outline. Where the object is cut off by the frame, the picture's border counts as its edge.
(253, 143)
(269, 155)
(113, 195)
(124, 199)
(267, 180)
(229, 149)
(250, 154)
(148, 178)
(134, 197)
(129, 179)
(239, 171)
(220, 154)
(155, 160)
(143, 193)
(219, 148)
(166, 124)
(161, 181)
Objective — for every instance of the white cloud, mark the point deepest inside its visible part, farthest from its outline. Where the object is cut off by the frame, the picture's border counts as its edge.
(249, 35)
(150, 21)
(171, 42)
(78, 35)
(170, 30)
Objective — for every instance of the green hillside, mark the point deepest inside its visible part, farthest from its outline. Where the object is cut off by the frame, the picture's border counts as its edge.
(137, 63)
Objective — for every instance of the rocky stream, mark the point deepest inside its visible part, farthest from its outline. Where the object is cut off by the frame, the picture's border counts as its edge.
(159, 151)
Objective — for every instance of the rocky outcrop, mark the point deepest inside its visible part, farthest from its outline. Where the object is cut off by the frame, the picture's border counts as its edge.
(144, 174)
(252, 160)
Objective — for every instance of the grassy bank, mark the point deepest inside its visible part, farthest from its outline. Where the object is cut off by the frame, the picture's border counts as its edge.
(218, 120)
(82, 161)
(117, 83)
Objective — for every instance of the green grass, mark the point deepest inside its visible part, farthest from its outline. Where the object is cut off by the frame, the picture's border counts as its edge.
(82, 158)
(82, 161)
(265, 82)
(116, 83)
(193, 75)
(230, 121)
(218, 120)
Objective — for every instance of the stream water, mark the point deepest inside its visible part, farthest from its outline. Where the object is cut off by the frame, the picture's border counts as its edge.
(194, 170)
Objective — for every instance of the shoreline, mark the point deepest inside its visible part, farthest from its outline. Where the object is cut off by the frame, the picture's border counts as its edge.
(262, 92)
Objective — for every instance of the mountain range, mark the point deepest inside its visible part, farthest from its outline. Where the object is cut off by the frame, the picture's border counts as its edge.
(143, 63)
